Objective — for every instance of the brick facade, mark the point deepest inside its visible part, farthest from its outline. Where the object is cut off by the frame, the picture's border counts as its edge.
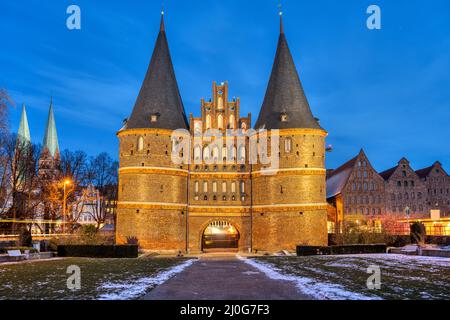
(357, 191)
(405, 192)
(168, 207)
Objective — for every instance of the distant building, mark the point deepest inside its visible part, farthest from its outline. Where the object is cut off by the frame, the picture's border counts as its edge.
(405, 192)
(356, 190)
(87, 206)
(437, 183)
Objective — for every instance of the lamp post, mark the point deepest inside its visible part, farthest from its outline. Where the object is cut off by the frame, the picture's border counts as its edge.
(66, 183)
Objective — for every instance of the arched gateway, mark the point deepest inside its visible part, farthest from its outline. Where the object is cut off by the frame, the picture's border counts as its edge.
(220, 235)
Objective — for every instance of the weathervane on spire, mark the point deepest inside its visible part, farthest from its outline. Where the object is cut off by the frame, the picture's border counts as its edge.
(280, 11)
(280, 8)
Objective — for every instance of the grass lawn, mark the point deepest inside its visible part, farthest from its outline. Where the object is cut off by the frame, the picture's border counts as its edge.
(100, 278)
(345, 277)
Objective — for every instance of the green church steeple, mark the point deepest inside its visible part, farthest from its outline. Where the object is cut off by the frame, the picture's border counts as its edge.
(51, 136)
(23, 135)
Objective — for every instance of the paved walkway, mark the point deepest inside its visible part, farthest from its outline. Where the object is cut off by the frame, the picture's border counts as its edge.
(224, 278)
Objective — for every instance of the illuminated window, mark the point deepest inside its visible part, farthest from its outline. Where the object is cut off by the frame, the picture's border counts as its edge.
(140, 144)
(205, 186)
(206, 153)
(208, 122)
(198, 127)
(232, 122)
(154, 118)
(233, 152)
(216, 153)
(224, 187)
(233, 187)
(196, 187)
(215, 187)
(220, 121)
(224, 153)
(242, 153)
(288, 145)
(242, 186)
(197, 153)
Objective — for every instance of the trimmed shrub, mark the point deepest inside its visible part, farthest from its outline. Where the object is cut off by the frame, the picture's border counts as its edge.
(337, 250)
(98, 251)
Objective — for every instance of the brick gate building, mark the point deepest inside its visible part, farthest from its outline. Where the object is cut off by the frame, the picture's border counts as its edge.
(220, 199)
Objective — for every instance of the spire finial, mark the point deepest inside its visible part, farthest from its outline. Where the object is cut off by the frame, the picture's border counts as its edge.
(162, 28)
(280, 12)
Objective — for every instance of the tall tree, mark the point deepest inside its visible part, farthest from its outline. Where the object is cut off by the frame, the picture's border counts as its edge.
(103, 175)
(19, 176)
(5, 101)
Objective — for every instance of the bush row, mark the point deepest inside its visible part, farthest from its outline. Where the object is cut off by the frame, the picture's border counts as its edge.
(336, 250)
(98, 251)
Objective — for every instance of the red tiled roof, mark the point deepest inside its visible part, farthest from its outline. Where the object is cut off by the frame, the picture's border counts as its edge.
(337, 179)
(388, 173)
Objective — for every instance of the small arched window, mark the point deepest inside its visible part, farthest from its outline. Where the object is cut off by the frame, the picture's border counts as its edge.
(140, 144)
(220, 121)
(233, 187)
(224, 187)
(216, 153)
(242, 186)
(196, 187)
(232, 122)
(206, 153)
(208, 122)
(288, 145)
(224, 153)
(233, 152)
(215, 187)
(205, 186)
(197, 153)
(220, 103)
(242, 153)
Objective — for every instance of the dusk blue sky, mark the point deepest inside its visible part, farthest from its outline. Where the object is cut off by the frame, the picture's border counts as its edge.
(386, 91)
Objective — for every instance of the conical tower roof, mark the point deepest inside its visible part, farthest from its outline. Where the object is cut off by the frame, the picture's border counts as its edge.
(159, 97)
(23, 135)
(51, 136)
(285, 105)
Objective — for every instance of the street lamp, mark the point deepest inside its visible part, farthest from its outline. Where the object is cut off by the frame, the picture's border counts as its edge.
(66, 183)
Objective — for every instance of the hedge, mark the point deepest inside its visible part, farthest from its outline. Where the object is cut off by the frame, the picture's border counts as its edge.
(336, 250)
(98, 251)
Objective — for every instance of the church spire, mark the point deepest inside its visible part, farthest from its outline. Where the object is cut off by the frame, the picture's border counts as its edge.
(285, 105)
(159, 104)
(23, 135)
(51, 136)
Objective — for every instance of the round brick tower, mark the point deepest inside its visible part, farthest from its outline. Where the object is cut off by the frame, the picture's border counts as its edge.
(152, 189)
(289, 200)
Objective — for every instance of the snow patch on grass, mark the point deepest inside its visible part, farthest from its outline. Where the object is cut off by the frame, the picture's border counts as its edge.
(134, 288)
(308, 286)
